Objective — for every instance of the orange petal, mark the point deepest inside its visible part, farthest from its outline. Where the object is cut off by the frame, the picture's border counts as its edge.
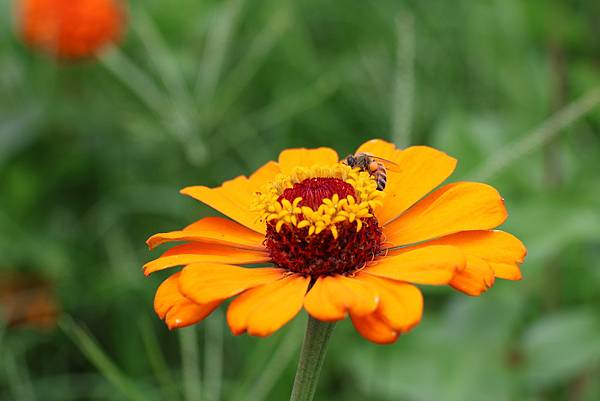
(212, 230)
(455, 207)
(206, 282)
(331, 297)
(264, 174)
(400, 304)
(428, 265)
(175, 309)
(375, 329)
(419, 170)
(381, 148)
(263, 310)
(197, 252)
(475, 278)
(234, 198)
(290, 158)
(502, 251)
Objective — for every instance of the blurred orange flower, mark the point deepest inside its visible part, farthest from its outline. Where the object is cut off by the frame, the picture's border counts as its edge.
(71, 29)
(27, 300)
(336, 243)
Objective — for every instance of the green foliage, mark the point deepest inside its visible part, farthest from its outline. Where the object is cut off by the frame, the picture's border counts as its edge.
(92, 156)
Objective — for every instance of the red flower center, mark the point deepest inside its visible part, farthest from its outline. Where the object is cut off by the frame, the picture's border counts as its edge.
(314, 190)
(292, 248)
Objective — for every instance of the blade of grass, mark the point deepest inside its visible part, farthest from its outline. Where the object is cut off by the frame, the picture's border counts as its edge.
(17, 379)
(88, 346)
(163, 58)
(276, 113)
(256, 55)
(134, 78)
(156, 358)
(2, 327)
(282, 357)
(218, 42)
(254, 365)
(190, 367)
(268, 365)
(299, 102)
(255, 362)
(325, 86)
(536, 138)
(403, 95)
(179, 124)
(69, 386)
(213, 357)
(121, 255)
(182, 115)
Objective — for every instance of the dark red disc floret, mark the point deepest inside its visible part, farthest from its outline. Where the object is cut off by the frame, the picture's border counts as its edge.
(314, 190)
(321, 254)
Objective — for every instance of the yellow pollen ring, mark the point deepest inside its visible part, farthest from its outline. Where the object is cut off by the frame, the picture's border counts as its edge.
(331, 212)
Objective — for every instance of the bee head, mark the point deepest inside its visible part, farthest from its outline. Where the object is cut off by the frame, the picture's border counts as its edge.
(350, 160)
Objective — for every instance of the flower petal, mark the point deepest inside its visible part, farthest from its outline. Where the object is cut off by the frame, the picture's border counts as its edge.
(434, 264)
(263, 310)
(206, 282)
(291, 158)
(331, 297)
(380, 148)
(475, 278)
(419, 170)
(212, 230)
(176, 310)
(400, 304)
(234, 198)
(375, 329)
(198, 252)
(502, 251)
(264, 174)
(455, 207)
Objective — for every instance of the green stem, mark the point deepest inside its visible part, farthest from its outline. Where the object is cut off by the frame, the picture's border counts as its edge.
(312, 356)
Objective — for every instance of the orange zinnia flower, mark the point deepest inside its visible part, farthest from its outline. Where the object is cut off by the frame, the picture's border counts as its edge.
(71, 28)
(27, 300)
(336, 244)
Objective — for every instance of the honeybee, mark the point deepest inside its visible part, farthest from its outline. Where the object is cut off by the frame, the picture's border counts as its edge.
(376, 166)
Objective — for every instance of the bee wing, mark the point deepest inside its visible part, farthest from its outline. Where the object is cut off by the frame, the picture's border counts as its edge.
(389, 165)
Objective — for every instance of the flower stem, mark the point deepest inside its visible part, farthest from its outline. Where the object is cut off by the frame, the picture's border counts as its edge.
(311, 360)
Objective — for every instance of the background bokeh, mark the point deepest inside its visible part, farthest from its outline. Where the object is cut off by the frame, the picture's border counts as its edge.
(93, 153)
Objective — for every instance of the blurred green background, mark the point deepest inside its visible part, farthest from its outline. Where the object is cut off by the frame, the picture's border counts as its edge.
(92, 156)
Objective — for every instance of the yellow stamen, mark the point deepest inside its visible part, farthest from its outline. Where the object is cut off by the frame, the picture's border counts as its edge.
(330, 212)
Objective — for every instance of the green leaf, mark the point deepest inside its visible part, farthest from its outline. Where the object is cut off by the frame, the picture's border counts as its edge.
(560, 346)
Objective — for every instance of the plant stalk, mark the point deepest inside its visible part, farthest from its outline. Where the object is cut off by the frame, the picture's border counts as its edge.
(316, 339)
